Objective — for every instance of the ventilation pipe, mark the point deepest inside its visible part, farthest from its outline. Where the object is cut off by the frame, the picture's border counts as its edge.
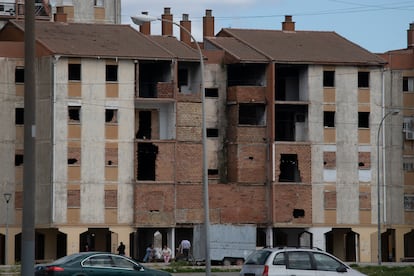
(288, 24)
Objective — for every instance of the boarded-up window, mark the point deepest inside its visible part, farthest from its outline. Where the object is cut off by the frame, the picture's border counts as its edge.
(73, 199)
(365, 201)
(329, 159)
(111, 199)
(111, 156)
(330, 200)
(364, 160)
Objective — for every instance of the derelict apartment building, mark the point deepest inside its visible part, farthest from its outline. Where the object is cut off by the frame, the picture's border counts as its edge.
(292, 119)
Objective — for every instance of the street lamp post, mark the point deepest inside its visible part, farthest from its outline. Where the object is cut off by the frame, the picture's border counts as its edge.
(7, 197)
(144, 18)
(392, 112)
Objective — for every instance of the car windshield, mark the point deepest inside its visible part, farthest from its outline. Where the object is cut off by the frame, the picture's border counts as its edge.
(258, 257)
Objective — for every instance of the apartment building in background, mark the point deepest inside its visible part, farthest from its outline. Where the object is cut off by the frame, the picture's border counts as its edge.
(401, 68)
(292, 119)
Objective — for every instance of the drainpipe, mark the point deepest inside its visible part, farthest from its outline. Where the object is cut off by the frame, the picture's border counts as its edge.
(54, 77)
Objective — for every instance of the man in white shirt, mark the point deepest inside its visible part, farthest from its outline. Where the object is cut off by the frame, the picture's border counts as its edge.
(185, 248)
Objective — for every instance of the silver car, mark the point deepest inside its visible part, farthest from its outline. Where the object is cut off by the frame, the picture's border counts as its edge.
(295, 261)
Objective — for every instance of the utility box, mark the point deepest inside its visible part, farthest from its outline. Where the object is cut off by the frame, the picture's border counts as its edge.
(229, 244)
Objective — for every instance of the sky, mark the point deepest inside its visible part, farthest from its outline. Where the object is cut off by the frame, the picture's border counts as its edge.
(376, 25)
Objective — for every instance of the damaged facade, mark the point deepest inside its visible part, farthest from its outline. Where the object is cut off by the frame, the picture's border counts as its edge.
(291, 116)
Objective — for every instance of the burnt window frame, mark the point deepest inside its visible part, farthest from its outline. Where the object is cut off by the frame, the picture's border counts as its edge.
(19, 75)
(363, 79)
(363, 119)
(111, 73)
(329, 119)
(328, 78)
(74, 72)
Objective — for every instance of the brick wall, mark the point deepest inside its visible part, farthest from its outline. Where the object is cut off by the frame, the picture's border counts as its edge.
(287, 197)
(303, 152)
(165, 90)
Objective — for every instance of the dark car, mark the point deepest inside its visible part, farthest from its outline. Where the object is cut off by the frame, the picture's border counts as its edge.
(96, 263)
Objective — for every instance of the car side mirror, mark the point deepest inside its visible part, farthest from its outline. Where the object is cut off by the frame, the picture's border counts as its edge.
(342, 269)
(139, 268)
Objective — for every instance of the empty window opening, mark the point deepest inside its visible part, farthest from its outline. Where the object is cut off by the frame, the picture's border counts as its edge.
(150, 74)
(363, 119)
(98, 3)
(289, 169)
(111, 72)
(147, 155)
(329, 119)
(298, 213)
(19, 75)
(291, 122)
(211, 92)
(212, 132)
(287, 81)
(18, 159)
(144, 128)
(246, 74)
(74, 113)
(182, 78)
(329, 78)
(74, 72)
(408, 84)
(111, 115)
(361, 164)
(212, 172)
(252, 114)
(72, 161)
(19, 116)
(363, 79)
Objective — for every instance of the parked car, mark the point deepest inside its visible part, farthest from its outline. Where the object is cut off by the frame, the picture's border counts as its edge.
(96, 263)
(295, 261)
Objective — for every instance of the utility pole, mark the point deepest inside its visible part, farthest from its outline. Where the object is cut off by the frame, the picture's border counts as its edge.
(29, 171)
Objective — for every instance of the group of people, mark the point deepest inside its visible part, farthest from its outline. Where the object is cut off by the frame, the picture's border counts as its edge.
(166, 253)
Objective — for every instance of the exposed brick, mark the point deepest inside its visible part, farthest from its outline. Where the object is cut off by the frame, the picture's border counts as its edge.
(288, 197)
(111, 199)
(165, 90)
(364, 160)
(330, 199)
(329, 160)
(73, 198)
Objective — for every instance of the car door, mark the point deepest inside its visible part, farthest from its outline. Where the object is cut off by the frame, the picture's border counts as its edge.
(328, 266)
(300, 263)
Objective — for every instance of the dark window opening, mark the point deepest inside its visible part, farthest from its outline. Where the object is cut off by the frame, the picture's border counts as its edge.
(19, 75)
(363, 79)
(246, 74)
(329, 78)
(252, 114)
(361, 164)
(289, 169)
(329, 119)
(212, 132)
(288, 82)
(212, 171)
(144, 128)
(72, 161)
(298, 213)
(408, 84)
(74, 72)
(111, 72)
(211, 92)
(74, 113)
(363, 119)
(19, 116)
(291, 122)
(182, 78)
(150, 74)
(110, 115)
(18, 159)
(147, 155)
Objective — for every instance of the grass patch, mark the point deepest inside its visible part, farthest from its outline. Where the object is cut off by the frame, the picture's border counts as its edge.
(386, 270)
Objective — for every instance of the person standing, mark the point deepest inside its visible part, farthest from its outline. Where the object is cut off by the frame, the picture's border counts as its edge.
(185, 248)
(121, 249)
(166, 253)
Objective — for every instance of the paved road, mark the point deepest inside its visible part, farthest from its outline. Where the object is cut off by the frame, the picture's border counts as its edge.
(204, 274)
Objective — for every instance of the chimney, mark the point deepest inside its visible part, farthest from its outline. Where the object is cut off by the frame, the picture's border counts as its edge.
(288, 25)
(146, 27)
(208, 24)
(185, 23)
(60, 15)
(410, 36)
(167, 26)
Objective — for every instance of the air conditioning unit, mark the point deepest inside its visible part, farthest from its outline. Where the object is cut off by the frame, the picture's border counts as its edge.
(409, 135)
